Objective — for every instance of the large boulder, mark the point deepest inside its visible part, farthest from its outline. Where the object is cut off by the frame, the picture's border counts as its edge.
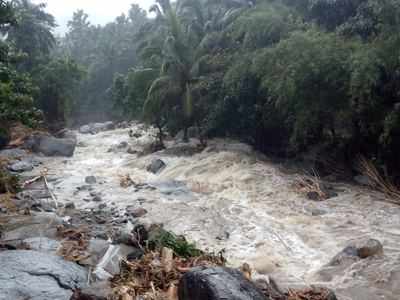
(217, 283)
(38, 276)
(51, 146)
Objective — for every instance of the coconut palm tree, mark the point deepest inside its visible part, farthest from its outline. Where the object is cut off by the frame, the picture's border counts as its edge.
(32, 33)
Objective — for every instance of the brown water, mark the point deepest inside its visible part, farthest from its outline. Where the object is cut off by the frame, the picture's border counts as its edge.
(227, 197)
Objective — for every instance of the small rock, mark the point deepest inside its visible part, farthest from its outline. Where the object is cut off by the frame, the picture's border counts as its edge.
(135, 255)
(70, 205)
(90, 179)
(122, 145)
(156, 166)
(136, 213)
(370, 248)
(358, 250)
(314, 196)
(102, 206)
(132, 151)
(97, 198)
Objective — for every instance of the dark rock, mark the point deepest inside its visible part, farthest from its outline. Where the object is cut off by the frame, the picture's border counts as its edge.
(348, 254)
(356, 251)
(136, 212)
(370, 248)
(122, 145)
(135, 255)
(85, 129)
(97, 198)
(70, 205)
(90, 179)
(21, 166)
(314, 196)
(97, 291)
(102, 206)
(38, 276)
(217, 284)
(4, 137)
(156, 166)
(132, 151)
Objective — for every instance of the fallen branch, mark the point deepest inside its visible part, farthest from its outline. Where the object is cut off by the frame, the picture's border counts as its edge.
(53, 196)
(378, 181)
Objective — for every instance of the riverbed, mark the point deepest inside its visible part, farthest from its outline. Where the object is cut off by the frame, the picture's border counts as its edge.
(230, 198)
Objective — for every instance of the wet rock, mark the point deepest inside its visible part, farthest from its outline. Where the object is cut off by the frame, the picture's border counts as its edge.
(135, 255)
(21, 166)
(370, 248)
(132, 151)
(13, 153)
(24, 227)
(314, 196)
(102, 206)
(97, 198)
(90, 179)
(217, 284)
(51, 146)
(38, 276)
(358, 250)
(69, 205)
(136, 212)
(67, 134)
(42, 244)
(156, 166)
(85, 129)
(122, 145)
(97, 291)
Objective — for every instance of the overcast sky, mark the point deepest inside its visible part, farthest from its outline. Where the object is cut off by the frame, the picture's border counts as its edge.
(99, 11)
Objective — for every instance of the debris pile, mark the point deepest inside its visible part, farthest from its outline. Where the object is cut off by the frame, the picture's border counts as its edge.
(156, 275)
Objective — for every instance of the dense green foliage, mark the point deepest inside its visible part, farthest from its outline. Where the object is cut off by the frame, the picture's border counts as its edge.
(31, 76)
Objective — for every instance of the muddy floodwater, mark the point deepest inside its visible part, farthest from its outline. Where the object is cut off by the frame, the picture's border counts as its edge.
(228, 197)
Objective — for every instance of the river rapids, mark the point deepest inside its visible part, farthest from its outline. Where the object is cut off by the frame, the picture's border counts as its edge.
(230, 198)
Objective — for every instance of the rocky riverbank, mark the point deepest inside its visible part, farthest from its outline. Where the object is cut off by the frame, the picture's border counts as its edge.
(78, 216)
